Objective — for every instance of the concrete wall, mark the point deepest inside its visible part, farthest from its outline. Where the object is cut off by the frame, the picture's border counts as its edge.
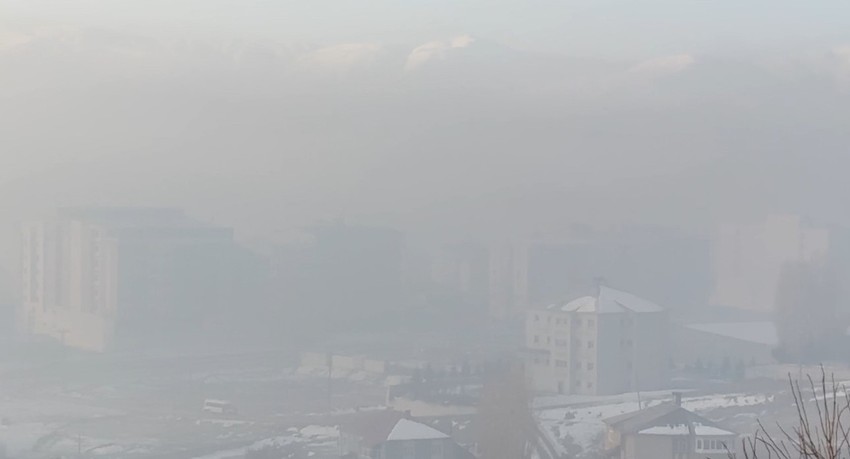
(661, 447)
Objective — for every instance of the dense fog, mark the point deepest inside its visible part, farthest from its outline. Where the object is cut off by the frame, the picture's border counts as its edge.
(496, 230)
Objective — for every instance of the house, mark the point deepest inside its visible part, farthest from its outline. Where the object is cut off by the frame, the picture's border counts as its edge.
(611, 343)
(667, 431)
(393, 435)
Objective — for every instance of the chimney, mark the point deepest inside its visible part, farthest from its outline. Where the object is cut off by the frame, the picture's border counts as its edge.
(599, 283)
(677, 398)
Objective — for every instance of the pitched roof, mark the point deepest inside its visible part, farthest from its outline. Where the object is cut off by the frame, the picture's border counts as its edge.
(405, 429)
(610, 300)
(752, 332)
(644, 417)
(380, 427)
(373, 428)
(667, 418)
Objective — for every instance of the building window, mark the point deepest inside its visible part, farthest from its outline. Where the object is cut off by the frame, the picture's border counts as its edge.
(437, 450)
(536, 339)
(589, 365)
(578, 322)
(590, 323)
(590, 344)
(537, 317)
(561, 363)
(590, 385)
(561, 342)
(711, 446)
(409, 450)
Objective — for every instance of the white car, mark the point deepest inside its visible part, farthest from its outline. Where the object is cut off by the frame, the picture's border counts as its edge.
(219, 407)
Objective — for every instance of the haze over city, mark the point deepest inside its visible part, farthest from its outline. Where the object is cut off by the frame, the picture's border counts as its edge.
(371, 229)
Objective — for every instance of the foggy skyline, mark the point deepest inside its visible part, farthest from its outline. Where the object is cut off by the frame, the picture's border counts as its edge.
(416, 116)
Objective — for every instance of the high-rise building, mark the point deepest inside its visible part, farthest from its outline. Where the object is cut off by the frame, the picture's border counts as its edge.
(102, 278)
(508, 281)
(348, 278)
(748, 259)
(610, 343)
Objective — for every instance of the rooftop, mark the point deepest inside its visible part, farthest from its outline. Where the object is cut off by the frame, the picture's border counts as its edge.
(608, 301)
(665, 419)
(752, 332)
(376, 428)
(406, 429)
(685, 429)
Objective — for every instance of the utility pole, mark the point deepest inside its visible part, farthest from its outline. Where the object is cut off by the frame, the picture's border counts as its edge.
(330, 382)
(62, 369)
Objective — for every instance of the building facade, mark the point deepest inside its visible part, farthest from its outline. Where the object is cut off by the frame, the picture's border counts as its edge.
(610, 343)
(93, 278)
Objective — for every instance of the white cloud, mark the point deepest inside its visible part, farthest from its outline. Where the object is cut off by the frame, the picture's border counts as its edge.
(342, 57)
(435, 50)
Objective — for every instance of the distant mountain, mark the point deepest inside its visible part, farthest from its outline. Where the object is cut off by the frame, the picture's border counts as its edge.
(455, 135)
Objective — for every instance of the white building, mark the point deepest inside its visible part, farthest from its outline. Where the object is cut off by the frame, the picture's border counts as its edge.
(88, 268)
(610, 343)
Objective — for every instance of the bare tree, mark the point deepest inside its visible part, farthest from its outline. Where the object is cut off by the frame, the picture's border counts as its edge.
(822, 429)
(806, 312)
(505, 420)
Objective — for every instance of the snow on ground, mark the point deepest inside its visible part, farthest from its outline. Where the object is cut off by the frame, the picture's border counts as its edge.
(41, 409)
(28, 421)
(584, 424)
(319, 432)
(223, 422)
(313, 435)
(21, 437)
(555, 401)
(711, 402)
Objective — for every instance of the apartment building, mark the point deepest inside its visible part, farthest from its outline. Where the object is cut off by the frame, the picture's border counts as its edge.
(610, 343)
(95, 277)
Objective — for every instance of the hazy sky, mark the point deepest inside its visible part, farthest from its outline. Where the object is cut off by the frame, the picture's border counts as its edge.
(578, 27)
(456, 116)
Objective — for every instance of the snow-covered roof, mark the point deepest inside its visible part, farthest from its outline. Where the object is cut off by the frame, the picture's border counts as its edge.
(679, 429)
(753, 332)
(709, 431)
(682, 429)
(406, 429)
(583, 304)
(610, 300)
